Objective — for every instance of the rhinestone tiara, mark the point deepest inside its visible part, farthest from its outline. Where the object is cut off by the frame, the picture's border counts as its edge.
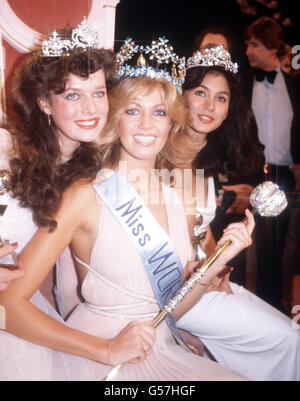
(213, 57)
(83, 36)
(159, 52)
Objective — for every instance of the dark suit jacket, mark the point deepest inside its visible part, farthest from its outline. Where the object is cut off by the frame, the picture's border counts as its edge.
(293, 88)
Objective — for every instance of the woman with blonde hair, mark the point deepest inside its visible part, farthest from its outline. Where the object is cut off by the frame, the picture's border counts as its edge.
(115, 233)
(233, 323)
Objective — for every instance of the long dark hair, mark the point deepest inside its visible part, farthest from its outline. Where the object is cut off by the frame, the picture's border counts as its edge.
(232, 149)
(37, 176)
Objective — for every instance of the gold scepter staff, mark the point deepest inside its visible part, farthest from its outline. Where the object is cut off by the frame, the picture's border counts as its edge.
(267, 200)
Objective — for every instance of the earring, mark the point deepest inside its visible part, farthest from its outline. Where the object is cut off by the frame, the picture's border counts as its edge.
(49, 119)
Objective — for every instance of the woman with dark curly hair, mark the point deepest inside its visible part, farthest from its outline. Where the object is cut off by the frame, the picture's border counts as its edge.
(234, 324)
(51, 140)
(58, 107)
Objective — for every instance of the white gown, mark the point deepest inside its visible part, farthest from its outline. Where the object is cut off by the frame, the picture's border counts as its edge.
(242, 331)
(19, 359)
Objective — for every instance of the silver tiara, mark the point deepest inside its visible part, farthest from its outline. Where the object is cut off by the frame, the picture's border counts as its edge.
(214, 57)
(83, 36)
(159, 52)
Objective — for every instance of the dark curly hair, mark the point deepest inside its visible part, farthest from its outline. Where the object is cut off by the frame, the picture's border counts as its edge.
(233, 148)
(37, 176)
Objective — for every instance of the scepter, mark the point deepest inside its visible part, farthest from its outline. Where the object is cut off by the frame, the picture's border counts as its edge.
(267, 200)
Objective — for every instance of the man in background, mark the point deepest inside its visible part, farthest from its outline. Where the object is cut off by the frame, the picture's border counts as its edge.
(274, 97)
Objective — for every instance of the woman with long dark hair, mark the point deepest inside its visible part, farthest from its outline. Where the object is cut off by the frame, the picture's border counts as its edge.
(234, 324)
(232, 144)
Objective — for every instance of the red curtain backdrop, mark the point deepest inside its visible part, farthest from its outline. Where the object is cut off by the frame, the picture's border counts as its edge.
(43, 16)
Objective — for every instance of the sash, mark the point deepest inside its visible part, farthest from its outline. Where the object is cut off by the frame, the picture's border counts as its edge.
(160, 259)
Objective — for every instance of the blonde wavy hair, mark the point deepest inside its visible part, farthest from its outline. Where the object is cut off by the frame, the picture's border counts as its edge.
(177, 151)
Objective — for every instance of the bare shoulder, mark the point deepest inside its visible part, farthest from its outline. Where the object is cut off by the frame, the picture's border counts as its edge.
(103, 175)
(80, 191)
(5, 137)
(77, 198)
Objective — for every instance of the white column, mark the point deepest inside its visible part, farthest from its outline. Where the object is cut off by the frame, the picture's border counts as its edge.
(15, 31)
(2, 83)
(108, 22)
(23, 38)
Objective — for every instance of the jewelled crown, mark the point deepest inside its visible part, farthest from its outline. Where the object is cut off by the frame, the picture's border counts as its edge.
(83, 36)
(159, 53)
(213, 57)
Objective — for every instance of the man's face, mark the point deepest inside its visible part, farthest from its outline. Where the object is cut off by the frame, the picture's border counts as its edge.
(258, 55)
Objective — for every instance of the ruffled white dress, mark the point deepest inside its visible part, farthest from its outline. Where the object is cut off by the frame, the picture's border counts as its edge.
(20, 359)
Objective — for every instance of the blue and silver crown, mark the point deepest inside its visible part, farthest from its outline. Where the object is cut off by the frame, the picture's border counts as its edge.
(83, 36)
(213, 57)
(159, 52)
